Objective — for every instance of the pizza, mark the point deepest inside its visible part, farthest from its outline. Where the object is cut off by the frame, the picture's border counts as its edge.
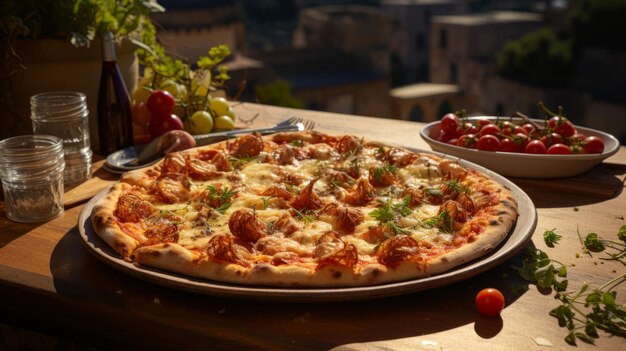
(304, 209)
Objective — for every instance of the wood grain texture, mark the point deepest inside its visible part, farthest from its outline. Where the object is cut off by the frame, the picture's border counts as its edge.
(50, 283)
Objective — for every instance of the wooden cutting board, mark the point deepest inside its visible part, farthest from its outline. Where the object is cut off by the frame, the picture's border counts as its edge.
(79, 193)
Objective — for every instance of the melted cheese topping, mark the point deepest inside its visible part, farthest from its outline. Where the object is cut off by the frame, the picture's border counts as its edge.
(336, 183)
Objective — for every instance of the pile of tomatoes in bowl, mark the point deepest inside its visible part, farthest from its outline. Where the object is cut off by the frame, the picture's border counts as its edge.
(556, 135)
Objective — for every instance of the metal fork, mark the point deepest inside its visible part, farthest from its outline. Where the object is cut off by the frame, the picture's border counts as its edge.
(291, 124)
(308, 124)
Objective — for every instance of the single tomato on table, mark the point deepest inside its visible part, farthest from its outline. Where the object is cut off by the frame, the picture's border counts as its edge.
(490, 302)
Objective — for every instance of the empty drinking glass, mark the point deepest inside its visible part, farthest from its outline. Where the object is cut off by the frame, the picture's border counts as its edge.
(64, 114)
(31, 169)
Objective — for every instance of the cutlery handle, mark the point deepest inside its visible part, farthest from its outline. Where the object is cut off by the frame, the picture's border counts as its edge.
(204, 139)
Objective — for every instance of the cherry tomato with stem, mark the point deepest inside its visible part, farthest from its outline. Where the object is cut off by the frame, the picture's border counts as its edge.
(488, 142)
(593, 145)
(467, 140)
(161, 103)
(490, 129)
(508, 145)
(551, 139)
(535, 147)
(449, 123)
(528, 127)
(559, 149)
(489, 302)
(469, 128)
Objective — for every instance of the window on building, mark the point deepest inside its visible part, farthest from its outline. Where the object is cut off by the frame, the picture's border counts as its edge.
(444, 107)
(417, 114)
(419, 41)
(443, 39)
(453, 73)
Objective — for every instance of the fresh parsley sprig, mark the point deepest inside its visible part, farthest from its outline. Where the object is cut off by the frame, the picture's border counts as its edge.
(380, 172)
(550, 237)
(614, 249)
(388, 213)
(587, 310)
(305, 216)
(442, 221)
(221, 198)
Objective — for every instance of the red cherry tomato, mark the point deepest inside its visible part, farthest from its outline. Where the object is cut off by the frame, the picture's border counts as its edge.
(141, 114)
(490, 302)
(449, 123)
(508, 145)
(488, 142)
(521, 139)
(593, 145)
(482, 122)
(551, 139)
(444, 137)
(520, 129)
(469, 128)
(163, 123)
(491, 129)
(535, 147)
(528, 127)
(467, 140)
(507, 128)
(559, 149)
(578, 137)
(161, 102)
(562, 126)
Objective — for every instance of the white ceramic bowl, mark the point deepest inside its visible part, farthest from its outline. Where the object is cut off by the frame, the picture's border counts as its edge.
(526, 165)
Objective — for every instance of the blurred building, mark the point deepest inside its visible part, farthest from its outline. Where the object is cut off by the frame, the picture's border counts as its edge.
(410, 39)
(189, 28)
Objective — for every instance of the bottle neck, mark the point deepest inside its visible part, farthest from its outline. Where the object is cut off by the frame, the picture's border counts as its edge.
(108, 47)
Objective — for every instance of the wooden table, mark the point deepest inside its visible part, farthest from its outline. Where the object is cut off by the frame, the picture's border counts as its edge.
(50, 283)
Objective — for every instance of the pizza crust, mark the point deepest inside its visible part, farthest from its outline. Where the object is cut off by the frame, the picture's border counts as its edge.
(107, 227)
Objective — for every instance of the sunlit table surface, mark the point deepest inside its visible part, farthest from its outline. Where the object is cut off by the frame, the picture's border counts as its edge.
(50, 283)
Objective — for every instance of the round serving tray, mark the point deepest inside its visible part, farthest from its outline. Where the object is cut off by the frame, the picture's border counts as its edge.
(515, 240)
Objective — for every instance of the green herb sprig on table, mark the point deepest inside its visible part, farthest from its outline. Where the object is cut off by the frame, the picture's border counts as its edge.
(587, 310)
(614, 249)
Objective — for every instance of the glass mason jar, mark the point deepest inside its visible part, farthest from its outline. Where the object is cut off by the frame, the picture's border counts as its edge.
(31, 169)
(64, 114)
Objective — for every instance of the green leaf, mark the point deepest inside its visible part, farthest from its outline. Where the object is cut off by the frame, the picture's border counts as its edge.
(591, 330)
(562, 272)
(584, 337)
(570, 339)
(545, 276)
(550, 237)
(621, 234)
(592, 243)
(593, 298)
(608, 298)
(564, 315)
(560, 285)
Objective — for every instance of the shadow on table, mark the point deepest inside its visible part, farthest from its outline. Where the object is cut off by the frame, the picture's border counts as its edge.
(106, 306)
(603, 182)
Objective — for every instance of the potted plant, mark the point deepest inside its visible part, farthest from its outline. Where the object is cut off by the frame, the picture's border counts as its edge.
(52, 45)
